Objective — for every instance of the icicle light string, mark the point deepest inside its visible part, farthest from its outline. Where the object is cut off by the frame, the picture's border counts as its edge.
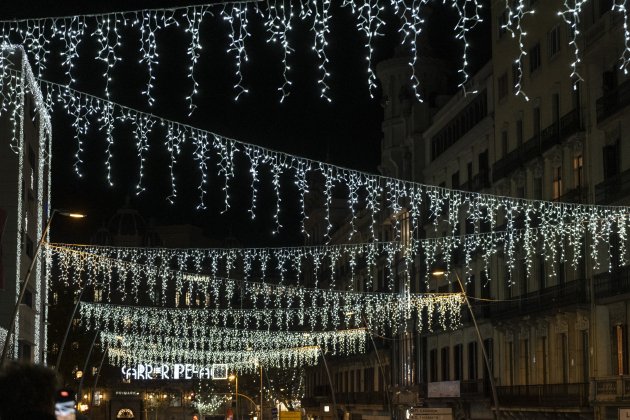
(442, 203)
(241, 361)
(515, 26)
(215, 292)
(555, 243)
(343, 342)
(571, 15)
(437, 309)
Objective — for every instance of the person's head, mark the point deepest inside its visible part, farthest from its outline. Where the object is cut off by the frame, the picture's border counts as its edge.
(26, 388)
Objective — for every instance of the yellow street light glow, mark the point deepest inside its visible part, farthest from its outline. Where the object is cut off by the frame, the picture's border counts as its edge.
(438, 272)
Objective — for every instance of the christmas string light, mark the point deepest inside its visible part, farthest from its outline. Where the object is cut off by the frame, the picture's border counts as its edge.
(571, 15)
(242, 362)
(621, 7)
(38, 34)
(343, 342)
(463, 26)
(379, 316)
(515, 18)
(444, 205)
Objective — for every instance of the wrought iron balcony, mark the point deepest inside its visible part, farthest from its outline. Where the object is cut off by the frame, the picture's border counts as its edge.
(566, 294)
(548, 395)
(613, 188)
(556, 133)
(575, 195)
(612, 388)
(612, 283)
(613, 101)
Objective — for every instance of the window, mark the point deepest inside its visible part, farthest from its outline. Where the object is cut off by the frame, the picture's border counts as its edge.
(488, 345)
(510, 362)
(28, 298)
(472, 360)
(534, 58)
(519, 133)
(25, 351)
(611, 160)
(504, 143)
(578, 171)
(445, 363)
(29, 247)
(455, 180)
(563, 339)
(433, 366)
(368, 379)
(553, 41)
(524, 361)
(503, 86)
(458, 362)
(469, 172)
(556, 190)
(538, 188)
(98, 295)
(536, 121)
(619, 349)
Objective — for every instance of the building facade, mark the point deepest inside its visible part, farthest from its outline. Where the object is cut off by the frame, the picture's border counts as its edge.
(25, 146)
(556, 335)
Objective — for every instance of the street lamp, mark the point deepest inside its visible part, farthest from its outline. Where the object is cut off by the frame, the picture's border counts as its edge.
(7, 343)
(234, 377)
(438, 272)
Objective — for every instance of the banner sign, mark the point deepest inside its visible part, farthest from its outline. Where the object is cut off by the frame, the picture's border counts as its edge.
(174, 371)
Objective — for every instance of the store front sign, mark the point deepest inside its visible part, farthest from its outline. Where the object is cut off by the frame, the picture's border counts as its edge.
(175, 371)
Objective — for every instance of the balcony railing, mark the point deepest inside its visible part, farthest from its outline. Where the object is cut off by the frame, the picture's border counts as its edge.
(613, 188)
(613, 101)
(612, 388)
(570, 293)
(556, 133)
(575, 195)
(612, 283)
(549, 395)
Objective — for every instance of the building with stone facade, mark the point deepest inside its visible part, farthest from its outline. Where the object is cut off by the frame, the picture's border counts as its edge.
(25, 143)
(556, 339)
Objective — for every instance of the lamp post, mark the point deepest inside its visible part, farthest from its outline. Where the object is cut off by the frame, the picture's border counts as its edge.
(65, 336)
(440, 272)
(7, 343)
(234, 377)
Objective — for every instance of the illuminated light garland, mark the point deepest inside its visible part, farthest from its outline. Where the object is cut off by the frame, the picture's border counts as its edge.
(343, 342)
(212, 404)
(240, 361)
(411, 29)
(305, 304)
(621, 7)
(441, 308)
(444, 205)
(277, 15)
(37, 34)
(463, 26)
(571, 15)
(13, 57)
(515, 18)
(552, 240)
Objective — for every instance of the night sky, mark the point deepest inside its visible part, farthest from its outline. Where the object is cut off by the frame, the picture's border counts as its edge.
(346, 132)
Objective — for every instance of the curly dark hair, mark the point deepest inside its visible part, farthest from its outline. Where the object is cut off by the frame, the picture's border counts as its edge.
(27, 390)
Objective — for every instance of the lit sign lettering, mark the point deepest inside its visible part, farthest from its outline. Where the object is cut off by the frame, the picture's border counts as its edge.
(174, 371)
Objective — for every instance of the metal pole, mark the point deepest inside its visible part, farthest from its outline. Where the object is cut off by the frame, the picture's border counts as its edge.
(380, 365)
(332, 388)
(98, 373)
(7, 342)
(483, 349)
(261, 393)
(87, 359)
(65, 336)
(236, 397)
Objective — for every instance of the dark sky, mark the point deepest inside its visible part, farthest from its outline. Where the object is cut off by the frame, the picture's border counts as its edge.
(347, 131)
